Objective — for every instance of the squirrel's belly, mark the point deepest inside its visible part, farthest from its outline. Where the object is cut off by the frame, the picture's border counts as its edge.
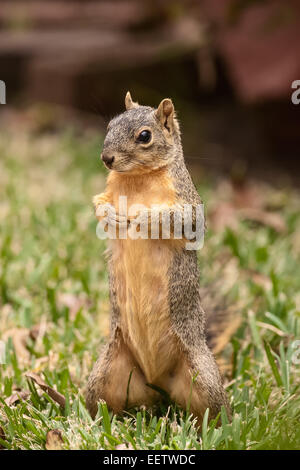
(141, 280)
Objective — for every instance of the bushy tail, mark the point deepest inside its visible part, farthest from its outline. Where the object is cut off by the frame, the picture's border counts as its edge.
(222, 319)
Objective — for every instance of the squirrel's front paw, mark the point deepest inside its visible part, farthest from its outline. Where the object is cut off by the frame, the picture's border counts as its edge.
(106, 213)
(99, 200)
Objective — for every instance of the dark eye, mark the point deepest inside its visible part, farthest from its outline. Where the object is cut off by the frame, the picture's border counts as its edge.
(144, 137)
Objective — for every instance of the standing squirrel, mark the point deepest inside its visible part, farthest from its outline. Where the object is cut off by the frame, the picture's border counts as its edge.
(157, 333)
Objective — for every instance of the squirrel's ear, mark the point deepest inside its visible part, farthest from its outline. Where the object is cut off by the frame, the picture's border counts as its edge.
(129, 104)
(166, 113)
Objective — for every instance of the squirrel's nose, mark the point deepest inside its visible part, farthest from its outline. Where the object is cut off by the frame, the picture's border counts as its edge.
(108, 160)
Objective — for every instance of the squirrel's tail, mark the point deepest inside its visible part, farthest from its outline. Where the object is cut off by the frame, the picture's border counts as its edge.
(222, 319)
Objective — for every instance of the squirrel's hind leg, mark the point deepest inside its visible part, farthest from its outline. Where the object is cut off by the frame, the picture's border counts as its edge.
(196, 385)
(117, 379)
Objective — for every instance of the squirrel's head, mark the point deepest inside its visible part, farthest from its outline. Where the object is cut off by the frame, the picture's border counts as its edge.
(142, 138)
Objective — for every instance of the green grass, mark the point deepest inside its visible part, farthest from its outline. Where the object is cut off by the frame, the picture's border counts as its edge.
(48, 247)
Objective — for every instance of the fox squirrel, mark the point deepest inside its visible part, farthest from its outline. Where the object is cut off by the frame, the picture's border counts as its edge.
(157, 334)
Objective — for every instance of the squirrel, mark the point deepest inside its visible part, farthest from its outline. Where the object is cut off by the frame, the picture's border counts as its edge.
(157, 329)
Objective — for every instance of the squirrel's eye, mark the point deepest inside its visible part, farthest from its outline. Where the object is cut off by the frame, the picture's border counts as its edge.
(144, 137)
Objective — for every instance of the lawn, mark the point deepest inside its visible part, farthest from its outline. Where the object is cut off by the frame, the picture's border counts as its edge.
(55, 308)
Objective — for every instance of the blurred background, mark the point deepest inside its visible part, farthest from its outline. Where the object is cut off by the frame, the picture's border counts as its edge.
(228, 65)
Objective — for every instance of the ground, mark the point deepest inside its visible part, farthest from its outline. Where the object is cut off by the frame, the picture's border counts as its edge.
(54, 306)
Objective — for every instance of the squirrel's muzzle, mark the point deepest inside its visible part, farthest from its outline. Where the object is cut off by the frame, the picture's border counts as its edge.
(107, 159)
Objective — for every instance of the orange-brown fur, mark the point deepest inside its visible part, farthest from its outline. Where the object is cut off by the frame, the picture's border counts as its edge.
(125, 384)
(141, 276)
